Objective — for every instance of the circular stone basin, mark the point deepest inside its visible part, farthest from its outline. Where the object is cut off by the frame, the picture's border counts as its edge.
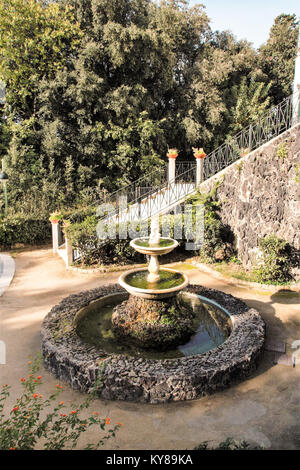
(170, 282)
(164, 246)
(212, 327)
(140, 379)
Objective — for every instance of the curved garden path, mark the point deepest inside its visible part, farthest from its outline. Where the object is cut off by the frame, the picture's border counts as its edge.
(264, 409)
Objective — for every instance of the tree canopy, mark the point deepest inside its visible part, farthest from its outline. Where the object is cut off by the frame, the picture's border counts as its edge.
(277, 56)
(97, 90)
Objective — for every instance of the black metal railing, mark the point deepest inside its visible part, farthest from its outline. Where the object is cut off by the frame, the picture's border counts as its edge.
(183, 167)
(136, 190)
(276, 121)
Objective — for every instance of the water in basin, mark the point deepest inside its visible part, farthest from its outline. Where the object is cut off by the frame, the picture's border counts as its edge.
(163, 243)
(167, 280)
(212, 328)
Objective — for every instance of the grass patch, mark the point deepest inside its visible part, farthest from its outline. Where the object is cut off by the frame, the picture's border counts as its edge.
(237, 271)
(184, 267)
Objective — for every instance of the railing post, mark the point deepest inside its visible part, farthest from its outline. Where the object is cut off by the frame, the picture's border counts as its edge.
(172, 155)
(199, 154)
(55, 235)
(69, 252)
(250, 138)
(199, 171)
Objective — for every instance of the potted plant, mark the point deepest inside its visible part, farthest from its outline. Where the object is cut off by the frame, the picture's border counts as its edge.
(244, 152)
(55, 217)
(199, 153)
(172, 153)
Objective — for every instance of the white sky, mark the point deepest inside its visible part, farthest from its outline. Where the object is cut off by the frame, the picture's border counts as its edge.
(249, 20)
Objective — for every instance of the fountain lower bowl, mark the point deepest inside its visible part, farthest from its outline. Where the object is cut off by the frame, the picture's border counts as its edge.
(171, 282)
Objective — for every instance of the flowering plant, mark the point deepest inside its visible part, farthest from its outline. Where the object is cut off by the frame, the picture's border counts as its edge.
(27, 424)
(199, 153)
(244, 152)
(172, 153)
(55, 216)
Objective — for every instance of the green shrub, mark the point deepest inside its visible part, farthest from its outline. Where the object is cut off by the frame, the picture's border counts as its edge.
(78, 215)
(94, 250)
(25, 229)
(218, 237)
(297, 174)
(281, 151)
(218, 242)
(229, 444)
(276, 261)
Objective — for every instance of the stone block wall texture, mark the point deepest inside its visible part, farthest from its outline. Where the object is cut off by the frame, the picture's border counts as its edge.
(260, 195)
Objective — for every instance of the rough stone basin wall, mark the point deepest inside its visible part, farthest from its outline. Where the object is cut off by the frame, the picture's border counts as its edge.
(260, 195)
(149, 380)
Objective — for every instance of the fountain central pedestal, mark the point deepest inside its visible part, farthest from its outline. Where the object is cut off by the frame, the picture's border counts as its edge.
(154, 239)
(152, 317)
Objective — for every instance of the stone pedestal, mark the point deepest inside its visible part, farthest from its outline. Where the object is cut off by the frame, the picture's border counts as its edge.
(55, 235)
(153, 269)
(69, 253)
(171, 172)
(199, 171)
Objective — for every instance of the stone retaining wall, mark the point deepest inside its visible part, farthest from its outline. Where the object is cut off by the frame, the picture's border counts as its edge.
(260, 195)
(145, 380)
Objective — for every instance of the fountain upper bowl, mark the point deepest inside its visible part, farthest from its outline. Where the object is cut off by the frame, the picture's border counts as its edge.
(142, 246)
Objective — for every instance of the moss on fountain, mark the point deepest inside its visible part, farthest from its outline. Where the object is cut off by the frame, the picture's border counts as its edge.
(153, 324)
(167, 280)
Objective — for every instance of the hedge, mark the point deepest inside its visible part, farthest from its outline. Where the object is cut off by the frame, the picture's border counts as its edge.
(25, 229)
(94, 250)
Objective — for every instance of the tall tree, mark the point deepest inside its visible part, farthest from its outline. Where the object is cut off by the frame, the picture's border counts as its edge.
(36, 40)
(251, 102)
(123, 103)
(277, 56)
(4, 128)
(217, 75)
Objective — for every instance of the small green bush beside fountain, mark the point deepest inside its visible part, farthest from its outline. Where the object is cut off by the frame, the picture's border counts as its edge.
(276, 261)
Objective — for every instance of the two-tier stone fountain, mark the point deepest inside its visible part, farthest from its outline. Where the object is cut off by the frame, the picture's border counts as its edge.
(152, 316)
(153, 336)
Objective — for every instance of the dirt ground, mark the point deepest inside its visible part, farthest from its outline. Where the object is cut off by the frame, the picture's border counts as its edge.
(264, 410)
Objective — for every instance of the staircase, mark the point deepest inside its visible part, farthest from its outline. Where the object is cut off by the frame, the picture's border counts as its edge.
(158, 193)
